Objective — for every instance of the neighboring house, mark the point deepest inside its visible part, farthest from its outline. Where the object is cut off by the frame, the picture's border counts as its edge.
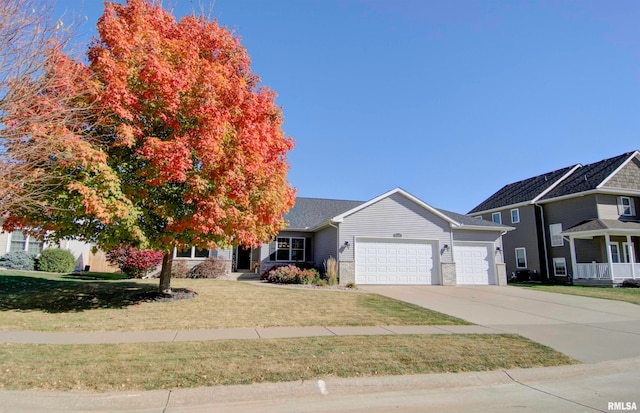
(394, 238)
(579, 222)
(83, 252)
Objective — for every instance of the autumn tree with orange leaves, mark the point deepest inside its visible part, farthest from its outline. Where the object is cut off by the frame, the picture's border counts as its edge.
(196, 144)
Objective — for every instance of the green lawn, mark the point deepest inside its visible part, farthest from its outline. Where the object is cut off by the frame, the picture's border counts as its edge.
(99, 302)
(630, 295)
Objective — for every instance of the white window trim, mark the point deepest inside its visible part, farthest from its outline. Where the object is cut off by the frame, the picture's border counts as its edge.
(25, 246)
(619, 252)
(628, 249)
(622, 208)
(498, 215)
(524, 250)
(304, 249)
(517, 216)
(562, 261)
(192, 255)
(556, 239)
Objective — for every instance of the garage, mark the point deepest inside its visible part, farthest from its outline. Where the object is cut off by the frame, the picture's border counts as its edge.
(474, 264)
(395, 261)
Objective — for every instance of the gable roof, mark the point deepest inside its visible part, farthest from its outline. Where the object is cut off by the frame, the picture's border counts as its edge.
(524, 191)
(589, 177)
(309, 214)
(563, 182)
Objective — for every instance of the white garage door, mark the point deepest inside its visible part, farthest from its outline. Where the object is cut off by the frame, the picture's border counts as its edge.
(474, 264)
(394, 261)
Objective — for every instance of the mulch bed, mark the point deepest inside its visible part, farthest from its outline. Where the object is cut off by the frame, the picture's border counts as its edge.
(177, 294)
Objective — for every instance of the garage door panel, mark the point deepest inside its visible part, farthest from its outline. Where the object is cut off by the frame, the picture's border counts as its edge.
(473, 264)
(394, 262)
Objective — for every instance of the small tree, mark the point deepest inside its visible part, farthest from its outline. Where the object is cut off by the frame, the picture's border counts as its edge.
(134, 262)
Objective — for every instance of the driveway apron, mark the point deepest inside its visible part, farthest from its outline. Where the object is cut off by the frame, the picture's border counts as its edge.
(588, 329)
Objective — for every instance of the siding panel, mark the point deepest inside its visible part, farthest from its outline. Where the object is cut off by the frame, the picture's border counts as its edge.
(326, 241)
(393, 215)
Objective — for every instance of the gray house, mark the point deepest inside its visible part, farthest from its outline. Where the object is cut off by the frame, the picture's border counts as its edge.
(579, 222)
(394, 238)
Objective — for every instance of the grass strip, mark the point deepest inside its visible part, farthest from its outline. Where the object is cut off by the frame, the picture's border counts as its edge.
(47, 302)
(194, 364)
(629, 295)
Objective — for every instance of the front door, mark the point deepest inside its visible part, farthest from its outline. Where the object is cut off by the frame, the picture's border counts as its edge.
(243, 258)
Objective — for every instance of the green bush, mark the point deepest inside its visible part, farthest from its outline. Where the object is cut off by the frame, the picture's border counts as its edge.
(56, 260)
(18, 260)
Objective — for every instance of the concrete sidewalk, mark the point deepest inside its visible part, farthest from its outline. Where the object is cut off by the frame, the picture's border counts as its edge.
(156, 336)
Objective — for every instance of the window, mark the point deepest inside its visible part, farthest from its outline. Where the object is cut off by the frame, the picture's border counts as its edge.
(521, 258)
(560, 267)
(554, 233)
(515, 216)
(627, 251)
(192, 252)
(290, 249)
(626, 206)
(496, 217)
(615, 252)
(22, 242)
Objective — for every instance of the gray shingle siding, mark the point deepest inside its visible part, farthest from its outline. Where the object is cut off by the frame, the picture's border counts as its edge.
(627, 178)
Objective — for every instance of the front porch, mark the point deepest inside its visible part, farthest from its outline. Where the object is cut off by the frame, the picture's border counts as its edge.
(611, 252)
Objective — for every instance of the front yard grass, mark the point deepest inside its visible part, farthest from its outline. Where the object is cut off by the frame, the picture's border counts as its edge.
(193, 364)
(104, 302)
(630, 295)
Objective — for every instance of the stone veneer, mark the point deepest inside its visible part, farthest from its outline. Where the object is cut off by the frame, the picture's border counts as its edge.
(501, 274)
(448, 271)
(347, 272)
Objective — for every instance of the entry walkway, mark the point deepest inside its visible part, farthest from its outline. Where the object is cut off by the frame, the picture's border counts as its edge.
(156, 336)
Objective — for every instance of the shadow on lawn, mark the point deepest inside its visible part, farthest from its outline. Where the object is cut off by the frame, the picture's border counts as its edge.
(59, 296)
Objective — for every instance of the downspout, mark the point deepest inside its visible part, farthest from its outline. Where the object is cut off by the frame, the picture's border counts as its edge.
(544, 241)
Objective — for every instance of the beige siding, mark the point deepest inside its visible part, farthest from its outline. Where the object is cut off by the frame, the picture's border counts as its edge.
(608, 207)
(477, 236)
(394, 215)
(4, 239)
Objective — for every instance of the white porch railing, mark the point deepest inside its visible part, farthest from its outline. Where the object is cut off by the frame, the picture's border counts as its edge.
(600, 271)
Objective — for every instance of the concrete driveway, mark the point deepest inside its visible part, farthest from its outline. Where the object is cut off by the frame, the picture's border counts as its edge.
(588, 329)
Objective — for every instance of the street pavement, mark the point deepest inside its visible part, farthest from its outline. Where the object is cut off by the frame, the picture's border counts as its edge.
(604, 334)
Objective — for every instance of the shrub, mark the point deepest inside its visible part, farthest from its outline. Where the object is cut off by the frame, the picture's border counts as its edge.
(631, 283)
(331, 270)
(18, 260)
(179, 269)
(212, 267)
(133, 262)
(56, 260)
(289, 274)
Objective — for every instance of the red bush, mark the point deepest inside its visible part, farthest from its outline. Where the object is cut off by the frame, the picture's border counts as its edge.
(134, 262)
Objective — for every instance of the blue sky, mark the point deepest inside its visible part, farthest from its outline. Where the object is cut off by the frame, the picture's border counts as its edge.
(449, 100)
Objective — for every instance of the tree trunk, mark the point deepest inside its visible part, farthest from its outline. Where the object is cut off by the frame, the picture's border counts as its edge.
(165, 273)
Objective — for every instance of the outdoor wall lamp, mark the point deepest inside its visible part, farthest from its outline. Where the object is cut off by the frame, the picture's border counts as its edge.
(346, 244)
(446, 247)
(498, 249)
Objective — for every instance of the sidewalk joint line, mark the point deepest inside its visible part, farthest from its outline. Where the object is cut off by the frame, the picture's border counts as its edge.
(175, 336)
(257, 332)
(391, 331)
(331, 331)
(552, 395)
(167, 402)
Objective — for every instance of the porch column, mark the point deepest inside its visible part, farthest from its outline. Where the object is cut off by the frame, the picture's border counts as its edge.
(574, 260)
(607, 238)
(632, 258)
